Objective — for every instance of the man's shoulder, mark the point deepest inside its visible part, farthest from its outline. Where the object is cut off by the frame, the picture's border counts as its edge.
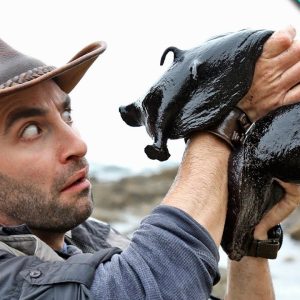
(36, 279)
(99, 234)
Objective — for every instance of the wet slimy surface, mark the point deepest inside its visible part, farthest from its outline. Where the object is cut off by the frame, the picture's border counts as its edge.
(271, 150)
(198, 90)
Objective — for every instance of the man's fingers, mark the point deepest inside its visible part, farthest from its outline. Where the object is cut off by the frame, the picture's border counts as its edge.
(292, 96)
(281, 210)
(291, 189)
(291, 77)
(276, 215)
(280, 41)
(289, 57)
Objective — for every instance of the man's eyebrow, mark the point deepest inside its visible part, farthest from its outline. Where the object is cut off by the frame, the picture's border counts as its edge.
(27, 112)
(22, 113)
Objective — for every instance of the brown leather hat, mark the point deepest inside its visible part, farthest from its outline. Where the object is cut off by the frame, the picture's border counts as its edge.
(19, 71)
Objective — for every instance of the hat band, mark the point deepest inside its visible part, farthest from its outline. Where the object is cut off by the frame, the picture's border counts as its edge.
(27, 76)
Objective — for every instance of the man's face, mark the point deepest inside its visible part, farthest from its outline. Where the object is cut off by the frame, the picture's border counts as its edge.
(43, 173)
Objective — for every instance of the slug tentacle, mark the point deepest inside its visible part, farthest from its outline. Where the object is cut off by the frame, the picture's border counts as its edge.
(177, 53)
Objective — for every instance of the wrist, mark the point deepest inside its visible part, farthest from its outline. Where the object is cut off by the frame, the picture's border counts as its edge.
(266, 246)
(208, 142)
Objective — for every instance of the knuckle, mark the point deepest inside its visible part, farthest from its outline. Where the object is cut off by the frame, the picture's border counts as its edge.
(282, 38)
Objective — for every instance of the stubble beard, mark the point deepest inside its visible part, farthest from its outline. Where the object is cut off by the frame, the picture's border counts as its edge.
(30, 205)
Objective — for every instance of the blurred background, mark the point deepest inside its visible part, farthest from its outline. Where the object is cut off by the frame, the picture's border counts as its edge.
(127, 185)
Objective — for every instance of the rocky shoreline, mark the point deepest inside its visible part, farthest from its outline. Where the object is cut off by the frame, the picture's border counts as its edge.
(135, 195)
(138, 195)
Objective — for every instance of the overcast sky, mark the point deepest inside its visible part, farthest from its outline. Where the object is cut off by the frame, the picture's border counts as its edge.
(137, 32)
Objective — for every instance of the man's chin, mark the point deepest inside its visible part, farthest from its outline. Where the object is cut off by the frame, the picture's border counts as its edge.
(66, 218)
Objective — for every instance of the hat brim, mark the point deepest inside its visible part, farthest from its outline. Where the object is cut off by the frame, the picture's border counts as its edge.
(66, 76)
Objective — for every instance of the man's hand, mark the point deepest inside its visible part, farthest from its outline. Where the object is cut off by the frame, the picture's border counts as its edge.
(275, 83)
(280, 211)
(250, 278)
(277, 76)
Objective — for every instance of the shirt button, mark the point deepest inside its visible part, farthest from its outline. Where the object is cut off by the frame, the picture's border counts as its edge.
(35, 274)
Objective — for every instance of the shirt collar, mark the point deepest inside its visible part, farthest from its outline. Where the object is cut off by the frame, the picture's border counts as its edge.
(19, 229)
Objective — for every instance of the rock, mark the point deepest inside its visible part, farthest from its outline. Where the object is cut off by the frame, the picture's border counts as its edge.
(134, 196)
(294, 231)
(289, 259)
(133, 190)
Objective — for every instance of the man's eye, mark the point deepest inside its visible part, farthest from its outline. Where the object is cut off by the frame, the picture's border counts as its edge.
(66, 116)
(30, 131)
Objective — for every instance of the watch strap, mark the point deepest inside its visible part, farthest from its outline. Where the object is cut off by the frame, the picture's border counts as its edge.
(233, 128)
(267, 248)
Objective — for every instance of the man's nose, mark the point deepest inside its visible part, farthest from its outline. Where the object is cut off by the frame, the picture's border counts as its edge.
(71, 145)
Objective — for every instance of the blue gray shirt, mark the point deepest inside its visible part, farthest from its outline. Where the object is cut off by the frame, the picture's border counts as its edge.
(171, 256)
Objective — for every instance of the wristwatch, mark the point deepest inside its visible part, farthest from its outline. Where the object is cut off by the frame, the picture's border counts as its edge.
(233, 128)
(267, 248)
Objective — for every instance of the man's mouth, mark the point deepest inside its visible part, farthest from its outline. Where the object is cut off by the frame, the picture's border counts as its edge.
(77, 182)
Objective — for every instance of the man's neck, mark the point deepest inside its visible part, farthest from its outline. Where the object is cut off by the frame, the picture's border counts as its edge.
(54, 240)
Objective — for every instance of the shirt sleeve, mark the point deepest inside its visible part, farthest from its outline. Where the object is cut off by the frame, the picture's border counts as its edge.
(170, 256)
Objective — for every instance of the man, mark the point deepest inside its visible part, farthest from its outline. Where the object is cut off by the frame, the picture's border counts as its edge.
(45, 193)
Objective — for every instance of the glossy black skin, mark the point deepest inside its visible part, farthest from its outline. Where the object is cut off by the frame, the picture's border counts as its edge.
(199, 89)
(271, 150)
